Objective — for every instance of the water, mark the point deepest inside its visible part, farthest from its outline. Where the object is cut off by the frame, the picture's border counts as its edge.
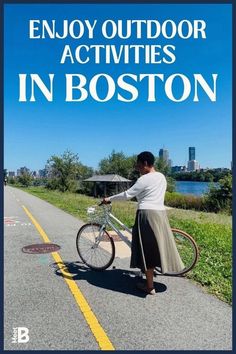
(195, 188)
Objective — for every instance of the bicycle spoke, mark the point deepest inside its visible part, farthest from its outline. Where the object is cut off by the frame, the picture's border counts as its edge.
(96, 249)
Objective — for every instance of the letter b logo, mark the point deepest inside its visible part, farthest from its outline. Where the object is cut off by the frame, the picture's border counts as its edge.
(23, 335)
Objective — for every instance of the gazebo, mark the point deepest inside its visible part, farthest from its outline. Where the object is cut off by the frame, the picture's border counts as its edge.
(104, 179)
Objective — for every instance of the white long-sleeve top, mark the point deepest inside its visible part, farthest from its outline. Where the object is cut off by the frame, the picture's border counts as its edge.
(149, 190)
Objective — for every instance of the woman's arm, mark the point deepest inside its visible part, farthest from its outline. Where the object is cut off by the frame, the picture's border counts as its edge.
(129, 193)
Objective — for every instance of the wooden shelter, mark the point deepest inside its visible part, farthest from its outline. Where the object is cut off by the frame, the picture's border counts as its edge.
(105, 179)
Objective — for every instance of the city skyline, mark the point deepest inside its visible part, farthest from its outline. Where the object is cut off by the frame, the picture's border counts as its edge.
(166, 155)
(34, 131)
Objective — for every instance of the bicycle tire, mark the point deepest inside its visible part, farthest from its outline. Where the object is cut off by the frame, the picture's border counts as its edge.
(188, 251)
(90, 252)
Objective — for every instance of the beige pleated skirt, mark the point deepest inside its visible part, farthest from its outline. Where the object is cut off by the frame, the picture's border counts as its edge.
(153, 243)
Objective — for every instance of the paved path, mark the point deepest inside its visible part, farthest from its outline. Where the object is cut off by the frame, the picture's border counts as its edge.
(181, 316)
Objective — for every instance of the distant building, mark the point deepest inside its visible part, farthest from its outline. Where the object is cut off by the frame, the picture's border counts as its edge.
(193, 165)
(22, 170)
(178, 169)
(220, 169)
(191, 153)
(164, 154)
(11, 174)
(43, 173)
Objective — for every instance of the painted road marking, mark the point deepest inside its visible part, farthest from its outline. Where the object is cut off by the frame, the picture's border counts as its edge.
(23, 224)
(12, 221)
(97, 330)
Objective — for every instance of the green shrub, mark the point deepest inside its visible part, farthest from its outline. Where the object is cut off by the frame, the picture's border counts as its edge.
(11, 180)
(39, 182)
(220, 198)
(52, 184)
(86, 188)
(177, 200)
(170, 184)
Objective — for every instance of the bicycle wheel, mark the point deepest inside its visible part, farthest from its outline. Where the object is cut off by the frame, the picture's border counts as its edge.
(95, 246)
(187, 249)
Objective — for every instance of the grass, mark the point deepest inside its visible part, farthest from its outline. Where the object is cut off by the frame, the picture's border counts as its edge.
(212, 232)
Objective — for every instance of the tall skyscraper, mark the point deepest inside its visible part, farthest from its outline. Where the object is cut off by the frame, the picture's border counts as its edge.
(191, 153)
(164, 154)
(193, 165)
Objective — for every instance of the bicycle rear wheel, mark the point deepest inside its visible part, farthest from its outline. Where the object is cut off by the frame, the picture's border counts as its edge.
(95, 246)
(187, 249)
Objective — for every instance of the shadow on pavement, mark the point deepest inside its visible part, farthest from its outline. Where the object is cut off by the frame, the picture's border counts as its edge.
(120, 280)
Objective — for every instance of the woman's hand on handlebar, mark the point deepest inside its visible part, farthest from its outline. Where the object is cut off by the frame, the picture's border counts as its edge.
(105, 201)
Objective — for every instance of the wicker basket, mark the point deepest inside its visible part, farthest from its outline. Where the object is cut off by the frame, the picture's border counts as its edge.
(96, 214)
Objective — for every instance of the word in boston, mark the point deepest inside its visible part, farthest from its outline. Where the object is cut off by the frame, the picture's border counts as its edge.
(127, 87)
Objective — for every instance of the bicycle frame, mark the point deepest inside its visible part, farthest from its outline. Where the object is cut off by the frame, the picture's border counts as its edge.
(109, 217)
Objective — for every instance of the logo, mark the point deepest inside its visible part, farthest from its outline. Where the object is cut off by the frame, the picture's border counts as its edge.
(20, 335)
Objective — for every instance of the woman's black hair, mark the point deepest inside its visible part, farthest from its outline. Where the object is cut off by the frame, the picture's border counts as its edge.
(146, 156)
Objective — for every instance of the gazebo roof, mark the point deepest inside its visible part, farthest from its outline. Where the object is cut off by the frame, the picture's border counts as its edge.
(107, 178)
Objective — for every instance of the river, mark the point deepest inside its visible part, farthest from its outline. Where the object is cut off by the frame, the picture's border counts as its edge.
(195, 188)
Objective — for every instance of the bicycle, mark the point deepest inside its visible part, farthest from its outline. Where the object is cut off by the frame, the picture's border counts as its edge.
(96, 246)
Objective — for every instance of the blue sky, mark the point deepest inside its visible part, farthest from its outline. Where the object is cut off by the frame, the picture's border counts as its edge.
(33, 131)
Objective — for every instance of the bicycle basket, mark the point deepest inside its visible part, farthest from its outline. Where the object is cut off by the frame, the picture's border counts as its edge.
(96, 214)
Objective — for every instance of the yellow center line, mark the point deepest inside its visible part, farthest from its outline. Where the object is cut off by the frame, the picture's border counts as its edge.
(97, 330)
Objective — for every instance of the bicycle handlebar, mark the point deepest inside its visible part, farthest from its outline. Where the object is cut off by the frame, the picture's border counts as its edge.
(103, 203)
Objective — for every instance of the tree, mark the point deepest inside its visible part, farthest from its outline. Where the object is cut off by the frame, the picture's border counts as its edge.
(118, 163)
(209, 177)
(84, 172)
(63, 170)
(219, 198)
(25, 179)
(162, 166)
(171, 185)
(12, 180)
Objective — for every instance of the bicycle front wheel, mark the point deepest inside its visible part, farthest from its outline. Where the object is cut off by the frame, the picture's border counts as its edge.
(95, 246)
(187, 249)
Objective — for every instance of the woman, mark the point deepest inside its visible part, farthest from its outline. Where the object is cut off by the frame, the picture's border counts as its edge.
(153, 243)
